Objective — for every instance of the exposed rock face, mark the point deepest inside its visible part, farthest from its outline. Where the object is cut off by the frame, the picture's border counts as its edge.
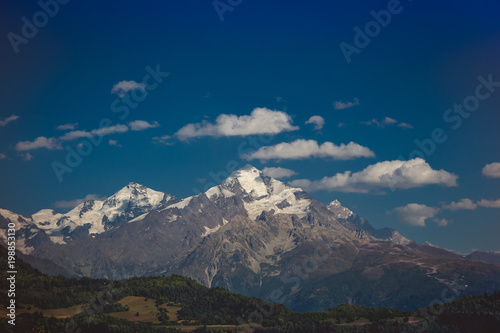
(361, 228)
(488, 257)
(251, 234)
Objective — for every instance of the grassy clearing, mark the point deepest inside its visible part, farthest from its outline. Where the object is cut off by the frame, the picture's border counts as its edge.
(145, 307)
(172, 311)
(57, 313)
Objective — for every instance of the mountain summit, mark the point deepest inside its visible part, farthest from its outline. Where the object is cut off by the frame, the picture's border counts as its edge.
(251, 234)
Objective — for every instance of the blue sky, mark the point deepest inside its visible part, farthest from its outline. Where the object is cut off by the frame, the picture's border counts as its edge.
(265, 68)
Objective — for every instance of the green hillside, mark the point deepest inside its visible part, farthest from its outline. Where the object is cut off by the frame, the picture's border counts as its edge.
(173, 304)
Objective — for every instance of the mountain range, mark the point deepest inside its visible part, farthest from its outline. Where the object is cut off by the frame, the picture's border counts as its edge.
(253, 235)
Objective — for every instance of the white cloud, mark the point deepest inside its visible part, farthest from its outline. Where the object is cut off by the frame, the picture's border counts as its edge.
(300, 149)
(278, 172)
(123, 87)
(110, 130)
(416, 215)
(40, 142)
(141, 125)
(26, 156)
(114, 143)
(405, 125)
(8, 120)
(164, 140)
(260, 121)
(489, 203)
(442, 222)
(387, 121)
(66, 127)
(492, 170)
(340, 125)
(2, 156)
(387, 174)
(63, 204)
(318, 122)
(340, 105)
(55, 143)
(462, 204)
(73, 135)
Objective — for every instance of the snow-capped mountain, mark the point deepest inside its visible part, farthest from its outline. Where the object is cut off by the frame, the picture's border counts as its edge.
(261, 193)
(361, 228)
(251, 234)
(88, 218)
(340, 211)
(24, 226)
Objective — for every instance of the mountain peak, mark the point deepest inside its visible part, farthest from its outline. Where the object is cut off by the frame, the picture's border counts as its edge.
(339, 210)
(247, 169)
(134, 185)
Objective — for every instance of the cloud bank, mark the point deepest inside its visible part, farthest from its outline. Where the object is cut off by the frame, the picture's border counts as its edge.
(302, 149)
(387, 174)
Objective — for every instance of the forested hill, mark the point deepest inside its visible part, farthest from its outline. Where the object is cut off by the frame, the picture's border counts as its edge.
(175, 302)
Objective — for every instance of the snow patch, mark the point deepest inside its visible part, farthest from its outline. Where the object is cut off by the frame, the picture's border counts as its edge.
(209, 231)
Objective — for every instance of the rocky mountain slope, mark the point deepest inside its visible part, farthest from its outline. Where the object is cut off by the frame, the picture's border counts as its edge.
(253, 235)
(361, 228)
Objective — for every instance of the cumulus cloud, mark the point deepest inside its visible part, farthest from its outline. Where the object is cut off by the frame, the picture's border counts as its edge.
(416, 215)
(462, 204)
(63, 204)
(340, 105)
(387, 174)
(141, 125)
(301, 149)
(40, 142)
(114, 143)
(8, 120)
(489, 203)
(278, 172)
(2, 156)
(387, 121)
(492, 170)
(260, 121)
(66, 127)
(123, 87)
(317, 121)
